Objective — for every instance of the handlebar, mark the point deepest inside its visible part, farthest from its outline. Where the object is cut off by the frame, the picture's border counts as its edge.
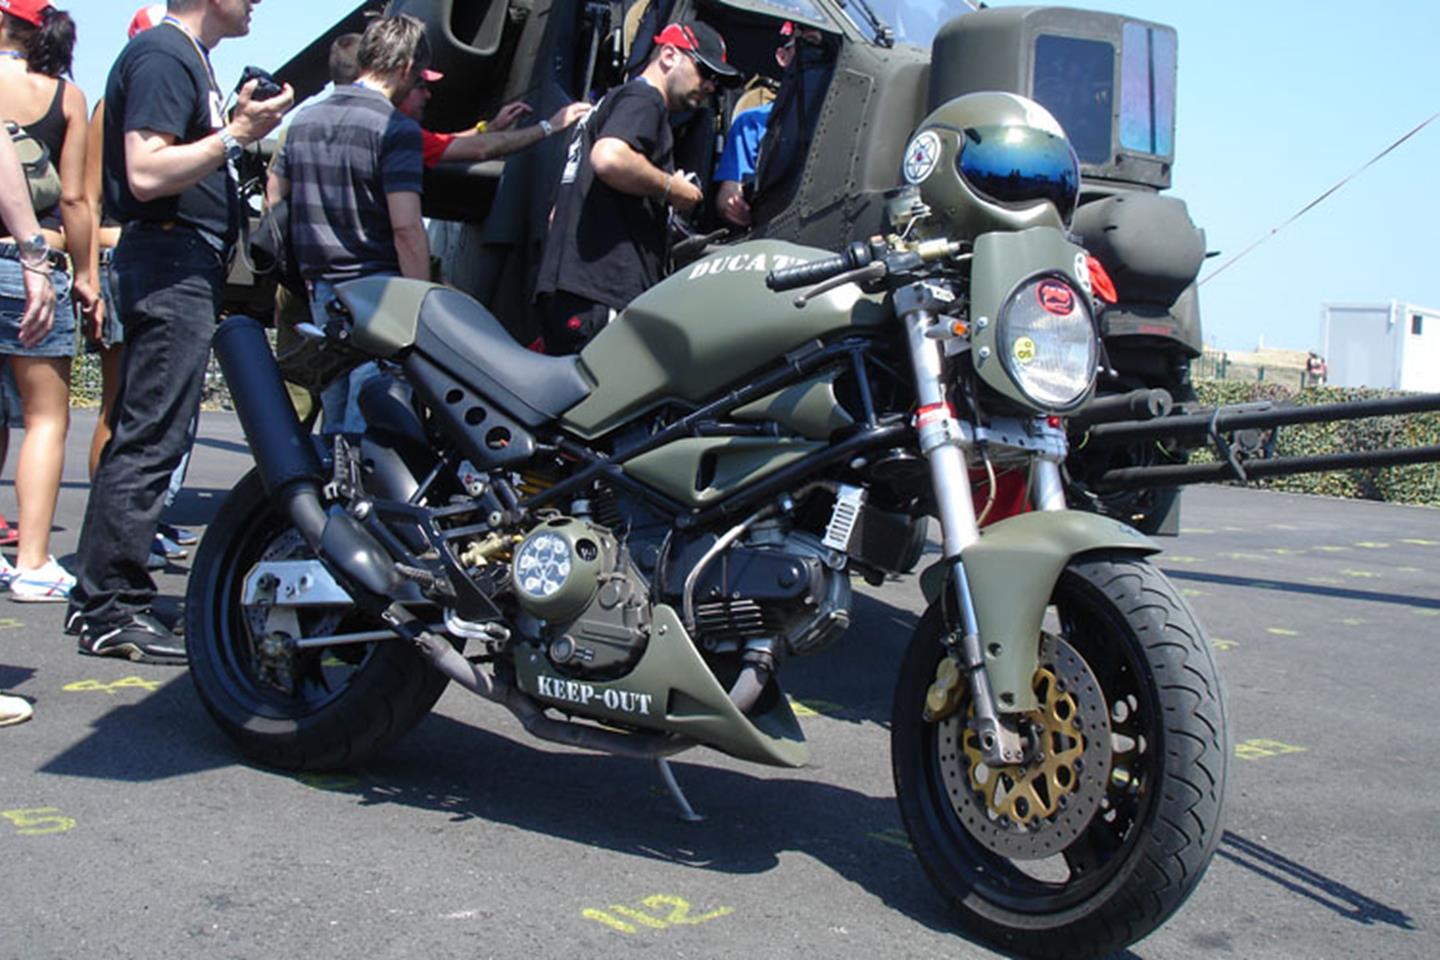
(807, 274)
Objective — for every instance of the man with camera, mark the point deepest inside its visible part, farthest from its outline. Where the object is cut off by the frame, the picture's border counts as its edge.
(168, 177)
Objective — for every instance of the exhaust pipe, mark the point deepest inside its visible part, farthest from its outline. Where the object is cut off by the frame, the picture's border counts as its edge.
(290, 467)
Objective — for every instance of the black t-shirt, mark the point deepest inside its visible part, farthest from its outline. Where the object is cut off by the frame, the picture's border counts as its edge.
(605, 245)
(162, 82)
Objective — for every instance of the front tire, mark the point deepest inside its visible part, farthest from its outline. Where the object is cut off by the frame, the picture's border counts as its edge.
(343, 703)
(1144, 804)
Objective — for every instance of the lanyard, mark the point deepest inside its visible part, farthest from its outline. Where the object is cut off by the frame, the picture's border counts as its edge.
(199, 50)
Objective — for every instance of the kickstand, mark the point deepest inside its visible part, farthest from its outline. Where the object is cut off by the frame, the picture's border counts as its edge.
(687, 812)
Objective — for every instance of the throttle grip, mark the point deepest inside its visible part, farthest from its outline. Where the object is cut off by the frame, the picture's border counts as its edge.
(806, 274)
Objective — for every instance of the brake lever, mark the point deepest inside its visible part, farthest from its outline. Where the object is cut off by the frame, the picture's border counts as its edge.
(875, 270)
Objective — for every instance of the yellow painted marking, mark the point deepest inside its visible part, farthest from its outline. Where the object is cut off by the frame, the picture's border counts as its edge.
(1372, 545)
(894, 837)
(1283, 551)
(1283, 526)
(1329, 581)
(1411, 540)
(1419, 612)
(1184, 530)
(124, 683)
(328, 781)
(644, 919)
(331, 660)
(600, 916)
(1353, 621)
(814, 708)
(1181, 558)
(1282, 632)
(1220, 644)
(1245, 556)
(679, 914)
(1333, 549)
(38, 821)
(10, 623)
(1192, 592)
(1361, 574)
(1235, 529)
(1408, 570)
(675, 912)
(1259, 749)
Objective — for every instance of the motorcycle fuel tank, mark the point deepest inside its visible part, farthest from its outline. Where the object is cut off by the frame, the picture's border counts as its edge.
(706, 327)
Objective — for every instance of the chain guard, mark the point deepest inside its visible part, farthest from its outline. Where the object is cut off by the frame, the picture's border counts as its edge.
(1035, 809)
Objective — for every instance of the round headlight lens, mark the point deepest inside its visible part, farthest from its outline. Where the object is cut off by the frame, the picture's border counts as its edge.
(1047, 342)
(542, 564)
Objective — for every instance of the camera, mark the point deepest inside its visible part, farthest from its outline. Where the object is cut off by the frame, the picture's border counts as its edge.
(266, 88)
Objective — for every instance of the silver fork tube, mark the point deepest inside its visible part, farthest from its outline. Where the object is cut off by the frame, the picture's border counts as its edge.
(941, 440)
(1048, 488)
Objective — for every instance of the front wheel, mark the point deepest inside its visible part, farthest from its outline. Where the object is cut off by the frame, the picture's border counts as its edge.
(1111, 820)
(287, 705)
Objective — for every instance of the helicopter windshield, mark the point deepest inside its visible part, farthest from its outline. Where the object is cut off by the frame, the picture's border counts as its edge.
(913, 21)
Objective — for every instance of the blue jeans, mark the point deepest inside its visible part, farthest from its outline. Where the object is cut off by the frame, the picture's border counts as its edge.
(170, 286)
(340, 401)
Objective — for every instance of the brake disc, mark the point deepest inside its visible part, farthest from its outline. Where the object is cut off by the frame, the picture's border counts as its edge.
(1037, 808)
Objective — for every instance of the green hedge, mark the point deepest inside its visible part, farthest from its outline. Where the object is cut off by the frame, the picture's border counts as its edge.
(1418, 484)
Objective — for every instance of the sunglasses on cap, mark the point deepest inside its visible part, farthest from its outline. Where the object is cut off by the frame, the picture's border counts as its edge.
(706, 74)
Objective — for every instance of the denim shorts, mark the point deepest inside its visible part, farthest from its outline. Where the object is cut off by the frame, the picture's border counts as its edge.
(60, 341)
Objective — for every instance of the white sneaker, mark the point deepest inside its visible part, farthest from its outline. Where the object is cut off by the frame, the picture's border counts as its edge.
(14, 710)
(7, 573)
(48, 584)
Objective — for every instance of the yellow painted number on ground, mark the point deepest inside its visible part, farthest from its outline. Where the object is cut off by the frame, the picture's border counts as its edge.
(662, 912)
(814, 708)
(1260, 749)
(1221, 644)
(1282, 632)
(10, 623)
(38, 821)
(125, 683)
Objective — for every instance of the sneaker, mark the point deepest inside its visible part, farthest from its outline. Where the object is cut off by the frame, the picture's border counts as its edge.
(7, 573)
(74, 619)
(48, 584)
(186, 538)
(156, 559)
(168, 548)
(139, 637)
(14, 710)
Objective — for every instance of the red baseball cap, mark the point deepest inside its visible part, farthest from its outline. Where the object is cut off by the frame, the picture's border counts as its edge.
(146, 17)
(31, 11)
(701, 40)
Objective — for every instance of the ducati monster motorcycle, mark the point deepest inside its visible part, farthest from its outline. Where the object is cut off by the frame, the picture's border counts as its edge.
(625, 547)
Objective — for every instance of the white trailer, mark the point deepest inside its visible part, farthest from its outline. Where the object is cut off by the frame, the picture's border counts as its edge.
(1391, 345)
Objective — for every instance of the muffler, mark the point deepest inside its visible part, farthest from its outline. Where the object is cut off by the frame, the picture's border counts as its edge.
(290, 467)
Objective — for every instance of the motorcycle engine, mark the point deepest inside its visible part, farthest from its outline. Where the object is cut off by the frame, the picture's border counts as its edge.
(776, 583)
(588, 605)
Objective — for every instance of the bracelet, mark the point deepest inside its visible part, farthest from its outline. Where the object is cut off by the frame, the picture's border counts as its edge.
(546, 128)
(42, 268)
(482, 126)
(669, 181)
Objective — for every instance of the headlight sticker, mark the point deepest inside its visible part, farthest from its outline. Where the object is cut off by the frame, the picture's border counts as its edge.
(1023, 350)
(1057, 298)
(921, 157)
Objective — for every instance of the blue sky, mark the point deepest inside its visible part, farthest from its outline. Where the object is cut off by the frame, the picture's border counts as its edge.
(1278, 100)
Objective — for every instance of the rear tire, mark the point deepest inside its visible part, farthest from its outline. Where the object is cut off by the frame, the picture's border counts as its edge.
(1149, 840)
(348, 703)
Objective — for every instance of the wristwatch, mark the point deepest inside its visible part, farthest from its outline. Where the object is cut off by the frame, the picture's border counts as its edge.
(34, 251)
(545, 128)
(233, 150)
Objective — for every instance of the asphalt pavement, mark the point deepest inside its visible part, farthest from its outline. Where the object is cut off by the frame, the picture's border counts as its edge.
(129, 827)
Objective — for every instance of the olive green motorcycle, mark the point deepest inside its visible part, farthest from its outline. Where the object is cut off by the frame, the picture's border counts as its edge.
(625, 547)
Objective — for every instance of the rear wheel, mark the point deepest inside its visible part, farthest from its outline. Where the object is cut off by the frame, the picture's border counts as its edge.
(1108, 825)
(312, 708)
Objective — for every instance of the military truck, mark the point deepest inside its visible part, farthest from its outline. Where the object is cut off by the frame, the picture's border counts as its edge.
(844, 109)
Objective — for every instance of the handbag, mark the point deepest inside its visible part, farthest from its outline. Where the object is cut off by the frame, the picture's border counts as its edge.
(40, 173)
(270, 253)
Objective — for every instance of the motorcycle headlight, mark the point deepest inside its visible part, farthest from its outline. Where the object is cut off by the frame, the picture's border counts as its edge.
(1047, 344)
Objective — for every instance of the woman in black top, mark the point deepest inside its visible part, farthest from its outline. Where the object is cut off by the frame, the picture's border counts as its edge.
(36, 46)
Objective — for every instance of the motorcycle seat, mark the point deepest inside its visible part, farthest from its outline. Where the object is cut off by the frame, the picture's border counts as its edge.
(459, 334)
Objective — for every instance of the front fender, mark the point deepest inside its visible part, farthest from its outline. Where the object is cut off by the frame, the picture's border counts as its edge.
(1012, 571)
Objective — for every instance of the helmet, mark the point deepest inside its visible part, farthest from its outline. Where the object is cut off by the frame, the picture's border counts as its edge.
(992, 161)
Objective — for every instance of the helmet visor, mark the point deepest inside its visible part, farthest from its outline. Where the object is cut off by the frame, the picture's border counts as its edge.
(1020, 165)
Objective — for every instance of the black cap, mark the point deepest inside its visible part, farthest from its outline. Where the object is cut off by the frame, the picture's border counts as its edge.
(701, 40)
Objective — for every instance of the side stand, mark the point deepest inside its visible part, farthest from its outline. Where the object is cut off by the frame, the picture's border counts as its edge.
(687, 812)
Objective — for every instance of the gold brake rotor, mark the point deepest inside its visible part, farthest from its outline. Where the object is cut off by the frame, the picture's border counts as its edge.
(1028, 792)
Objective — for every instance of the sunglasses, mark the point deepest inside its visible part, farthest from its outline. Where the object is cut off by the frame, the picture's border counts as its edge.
(706, 74)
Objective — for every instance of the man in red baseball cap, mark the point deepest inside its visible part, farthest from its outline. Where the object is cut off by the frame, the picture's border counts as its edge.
(608, 236)
(146, 17)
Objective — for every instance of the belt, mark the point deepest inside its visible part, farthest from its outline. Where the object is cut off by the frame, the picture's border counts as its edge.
(58, 259)
(210, 237)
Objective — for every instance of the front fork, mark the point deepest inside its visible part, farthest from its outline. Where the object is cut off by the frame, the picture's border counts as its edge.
(945, 445)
